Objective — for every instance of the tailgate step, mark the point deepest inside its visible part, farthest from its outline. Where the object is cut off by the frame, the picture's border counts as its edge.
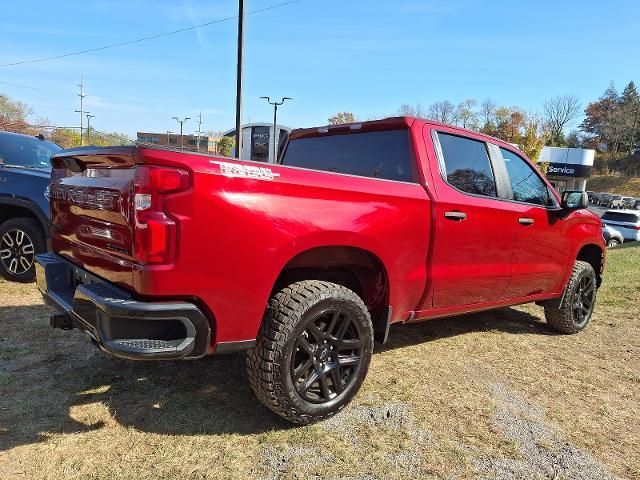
(145, 345)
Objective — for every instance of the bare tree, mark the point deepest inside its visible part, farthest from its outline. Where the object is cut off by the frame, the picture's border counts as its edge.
(407, 110)
(442, 111)
(558, 113)
(487, 112)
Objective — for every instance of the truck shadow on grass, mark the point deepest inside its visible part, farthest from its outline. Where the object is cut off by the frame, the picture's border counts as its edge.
(54, 382)
(504, 320)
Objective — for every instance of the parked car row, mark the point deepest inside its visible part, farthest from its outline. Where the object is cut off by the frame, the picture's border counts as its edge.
(610, 200)
(626, 222)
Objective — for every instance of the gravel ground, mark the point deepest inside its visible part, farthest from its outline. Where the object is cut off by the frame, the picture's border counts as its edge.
(545, 453)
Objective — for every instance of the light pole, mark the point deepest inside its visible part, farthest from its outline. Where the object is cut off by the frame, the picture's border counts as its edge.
(275, 122)
(89, 117)
(181, 122)
(239, 78)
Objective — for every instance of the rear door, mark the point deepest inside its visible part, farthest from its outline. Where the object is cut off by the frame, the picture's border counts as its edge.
(541, 248)
(475, 229)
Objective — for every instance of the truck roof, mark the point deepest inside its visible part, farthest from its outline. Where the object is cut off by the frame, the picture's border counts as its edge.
(391, 123)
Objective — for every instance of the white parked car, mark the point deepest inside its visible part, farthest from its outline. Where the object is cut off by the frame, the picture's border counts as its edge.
(627, 222)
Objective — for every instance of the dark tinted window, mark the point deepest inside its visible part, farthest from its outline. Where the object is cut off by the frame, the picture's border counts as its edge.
(371, 154)
(621, 217)
(526, 184)
(24, 151)
(467, 164)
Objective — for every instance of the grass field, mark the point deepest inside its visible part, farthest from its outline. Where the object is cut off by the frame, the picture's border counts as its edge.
(629, 186)
(492, 395)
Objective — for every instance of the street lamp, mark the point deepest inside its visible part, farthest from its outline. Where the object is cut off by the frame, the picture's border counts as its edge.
(275, 121)
(181, 122)
(89, 117)
(239, 79)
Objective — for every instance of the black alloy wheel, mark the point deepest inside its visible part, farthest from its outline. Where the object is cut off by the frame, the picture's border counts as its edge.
(584, 300)
(312, 352)
(572, 312)
(327, 356)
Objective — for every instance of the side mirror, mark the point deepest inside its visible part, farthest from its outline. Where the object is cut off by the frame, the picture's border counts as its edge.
(574, 200)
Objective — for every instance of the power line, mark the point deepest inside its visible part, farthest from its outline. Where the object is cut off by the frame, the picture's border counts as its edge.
(31, 88)
(151, 37)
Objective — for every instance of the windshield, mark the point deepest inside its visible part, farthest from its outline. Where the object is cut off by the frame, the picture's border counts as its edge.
(620, 217)
(27, 152)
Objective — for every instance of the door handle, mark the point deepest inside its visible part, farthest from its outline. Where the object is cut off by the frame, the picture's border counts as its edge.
(455, 216)
(526, 221)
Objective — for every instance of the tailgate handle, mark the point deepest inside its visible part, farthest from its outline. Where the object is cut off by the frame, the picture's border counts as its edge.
(456, 216)
(526, 221)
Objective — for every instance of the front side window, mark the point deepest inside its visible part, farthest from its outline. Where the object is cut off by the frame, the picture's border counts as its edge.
(385, 154)
(526, 184)
(467, 165)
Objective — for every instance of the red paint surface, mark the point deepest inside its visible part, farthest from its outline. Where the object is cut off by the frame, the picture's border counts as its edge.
(235, 235)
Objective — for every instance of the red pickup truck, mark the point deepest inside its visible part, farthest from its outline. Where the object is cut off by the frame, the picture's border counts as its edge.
(165, 254)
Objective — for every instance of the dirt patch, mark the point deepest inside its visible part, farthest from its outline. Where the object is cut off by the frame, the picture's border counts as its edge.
(545, 453)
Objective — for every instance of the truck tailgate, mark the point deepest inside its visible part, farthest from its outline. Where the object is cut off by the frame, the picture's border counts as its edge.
(92, 209)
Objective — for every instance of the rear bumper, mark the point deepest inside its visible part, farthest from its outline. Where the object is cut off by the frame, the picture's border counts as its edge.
(118, 323)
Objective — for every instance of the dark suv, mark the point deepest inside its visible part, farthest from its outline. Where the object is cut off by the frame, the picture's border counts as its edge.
(25, 171)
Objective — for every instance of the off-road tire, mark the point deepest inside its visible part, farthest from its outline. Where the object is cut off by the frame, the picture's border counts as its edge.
(269, 363)
(562, 318)
(32, 229)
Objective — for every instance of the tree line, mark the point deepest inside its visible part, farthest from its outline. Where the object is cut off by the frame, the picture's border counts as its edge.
(14, 117)
(611, 124)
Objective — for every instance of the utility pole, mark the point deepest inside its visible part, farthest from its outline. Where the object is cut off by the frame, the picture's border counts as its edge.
(181, 122)
(199, 131)
(275, 122)
(81, 111)
(239, 79)
(168, 133)
(89, 117)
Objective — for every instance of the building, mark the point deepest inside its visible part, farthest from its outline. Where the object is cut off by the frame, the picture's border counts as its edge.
(569, 168)
(257, 141)
(192, 143)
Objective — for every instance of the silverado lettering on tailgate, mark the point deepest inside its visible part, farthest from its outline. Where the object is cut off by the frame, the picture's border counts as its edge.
(229, 169)
(85, 197)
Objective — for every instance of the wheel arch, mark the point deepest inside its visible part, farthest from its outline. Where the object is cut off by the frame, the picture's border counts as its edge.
(17, 207)
(355, 268)
(594, 255)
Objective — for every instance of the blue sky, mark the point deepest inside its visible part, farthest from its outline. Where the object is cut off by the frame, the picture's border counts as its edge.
(368, 57)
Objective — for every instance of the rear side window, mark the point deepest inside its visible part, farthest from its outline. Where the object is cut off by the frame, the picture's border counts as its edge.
(467, 165)
(621, 217)
(526, 184)
(384, 154)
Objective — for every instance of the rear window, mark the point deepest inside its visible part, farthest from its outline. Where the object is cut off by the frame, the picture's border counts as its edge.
(621, 217)
(384, 154)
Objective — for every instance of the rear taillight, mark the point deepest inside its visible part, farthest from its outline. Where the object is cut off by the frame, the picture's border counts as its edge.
(156, 233)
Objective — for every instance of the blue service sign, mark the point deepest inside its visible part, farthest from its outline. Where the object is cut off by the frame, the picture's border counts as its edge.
(569, 170)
